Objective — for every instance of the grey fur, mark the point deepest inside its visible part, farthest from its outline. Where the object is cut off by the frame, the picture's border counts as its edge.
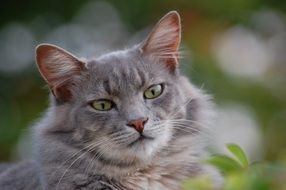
(62, 161)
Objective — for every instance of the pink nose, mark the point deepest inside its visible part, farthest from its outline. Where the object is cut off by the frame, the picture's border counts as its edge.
(138, 124)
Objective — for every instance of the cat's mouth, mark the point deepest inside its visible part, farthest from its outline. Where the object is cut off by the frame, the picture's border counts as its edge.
(140, 139)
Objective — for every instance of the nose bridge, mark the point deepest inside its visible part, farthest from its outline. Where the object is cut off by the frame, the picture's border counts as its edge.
(134, 109)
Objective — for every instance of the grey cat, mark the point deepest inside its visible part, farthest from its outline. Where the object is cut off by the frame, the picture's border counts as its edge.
(126, 120)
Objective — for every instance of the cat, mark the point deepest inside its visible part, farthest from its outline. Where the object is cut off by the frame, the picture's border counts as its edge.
(125, 120)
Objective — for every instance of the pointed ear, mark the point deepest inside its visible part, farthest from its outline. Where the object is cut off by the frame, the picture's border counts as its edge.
(58, 68)
(164, 40)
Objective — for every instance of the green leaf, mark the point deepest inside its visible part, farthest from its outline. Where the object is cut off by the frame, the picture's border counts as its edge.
(198, 183)
(224, 163)
(239, 154)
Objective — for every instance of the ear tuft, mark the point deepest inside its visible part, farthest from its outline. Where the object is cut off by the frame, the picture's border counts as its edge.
(164, 40)
(58, 67)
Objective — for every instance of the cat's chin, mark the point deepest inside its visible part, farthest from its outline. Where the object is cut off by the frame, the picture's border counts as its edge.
(145, 148)
(139, 152)
(132, 158)
(141, 140)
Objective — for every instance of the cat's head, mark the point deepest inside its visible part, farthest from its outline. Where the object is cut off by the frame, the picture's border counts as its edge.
(119, 104)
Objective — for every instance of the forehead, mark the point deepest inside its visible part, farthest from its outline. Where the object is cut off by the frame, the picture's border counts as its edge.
(119, 72)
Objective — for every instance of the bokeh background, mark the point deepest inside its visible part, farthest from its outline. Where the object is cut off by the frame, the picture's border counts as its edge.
(234, 49)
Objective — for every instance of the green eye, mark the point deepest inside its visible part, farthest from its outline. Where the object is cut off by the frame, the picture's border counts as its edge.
(153, 91)
(102, 105)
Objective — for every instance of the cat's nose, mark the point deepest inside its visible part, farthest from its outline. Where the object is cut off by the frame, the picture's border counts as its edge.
(138, 124)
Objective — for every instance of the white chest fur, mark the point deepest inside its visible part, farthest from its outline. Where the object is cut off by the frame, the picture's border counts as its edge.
(159, 177)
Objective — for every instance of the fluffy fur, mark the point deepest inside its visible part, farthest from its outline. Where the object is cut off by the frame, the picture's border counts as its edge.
(78, 147)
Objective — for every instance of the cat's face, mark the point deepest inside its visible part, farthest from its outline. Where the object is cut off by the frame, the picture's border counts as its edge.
(118, 104)
(125, 101)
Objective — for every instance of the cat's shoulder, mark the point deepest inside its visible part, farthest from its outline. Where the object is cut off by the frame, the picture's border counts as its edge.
(22, 176)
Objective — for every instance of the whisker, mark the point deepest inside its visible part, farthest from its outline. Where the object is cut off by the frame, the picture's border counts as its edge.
(187, 126)
(68, 159)
(191, 123)
(96, 157)
(79, 157)
(79, 151)
(172, 114)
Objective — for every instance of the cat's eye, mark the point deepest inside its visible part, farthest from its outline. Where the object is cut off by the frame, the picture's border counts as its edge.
(102, 105)
(153, 91)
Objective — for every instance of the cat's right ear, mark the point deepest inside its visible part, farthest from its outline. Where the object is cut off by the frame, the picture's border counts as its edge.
(58, 67)
(163, 41)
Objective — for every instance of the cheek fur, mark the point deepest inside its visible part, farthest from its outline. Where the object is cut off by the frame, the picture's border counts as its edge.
(164, 105)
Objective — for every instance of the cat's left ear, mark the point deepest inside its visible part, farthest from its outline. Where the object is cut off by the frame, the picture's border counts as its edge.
(58, 67)
(164, 40)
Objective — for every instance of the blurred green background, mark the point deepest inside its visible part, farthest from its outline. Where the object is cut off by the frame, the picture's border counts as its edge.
(234, 49)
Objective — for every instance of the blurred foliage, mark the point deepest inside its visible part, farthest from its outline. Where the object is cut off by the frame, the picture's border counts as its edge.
(240, 174)
(228, 164)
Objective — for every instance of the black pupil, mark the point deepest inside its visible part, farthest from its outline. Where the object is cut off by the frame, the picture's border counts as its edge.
(153, 91)
(103, 105)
